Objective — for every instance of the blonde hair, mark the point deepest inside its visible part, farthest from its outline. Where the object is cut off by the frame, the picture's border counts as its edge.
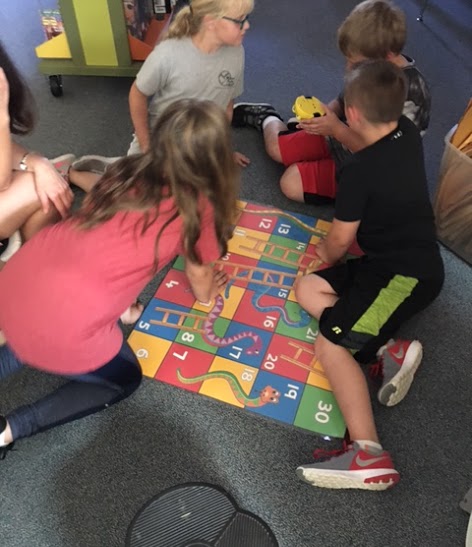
(378, 89)
(190, 156)
(373, 29)
(188, 20)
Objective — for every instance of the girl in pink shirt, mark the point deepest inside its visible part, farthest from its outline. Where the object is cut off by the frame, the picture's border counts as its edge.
(64, 291)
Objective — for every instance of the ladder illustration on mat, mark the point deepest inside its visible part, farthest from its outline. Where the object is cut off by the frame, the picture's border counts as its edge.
(295, 359)
(197, 327)
(303, 261)
(180, 318)
(245, 273)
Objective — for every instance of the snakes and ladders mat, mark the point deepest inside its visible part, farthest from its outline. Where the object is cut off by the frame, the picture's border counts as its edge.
(251, 347)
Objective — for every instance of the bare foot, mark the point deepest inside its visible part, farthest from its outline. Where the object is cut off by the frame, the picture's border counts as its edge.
(132, 314)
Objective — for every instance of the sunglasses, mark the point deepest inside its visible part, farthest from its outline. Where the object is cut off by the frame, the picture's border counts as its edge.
(239, 22)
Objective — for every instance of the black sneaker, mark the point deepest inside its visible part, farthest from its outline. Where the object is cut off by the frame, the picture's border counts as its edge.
(252, 114)
(4, 449)
(292, 124)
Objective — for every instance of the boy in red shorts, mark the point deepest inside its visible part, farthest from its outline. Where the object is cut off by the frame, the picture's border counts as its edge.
(375, 29)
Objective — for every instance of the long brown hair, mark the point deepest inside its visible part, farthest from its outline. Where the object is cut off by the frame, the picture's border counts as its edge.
(21, 106)
(190, 155)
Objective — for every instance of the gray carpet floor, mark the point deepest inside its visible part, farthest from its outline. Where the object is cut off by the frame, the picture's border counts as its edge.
(81, 484)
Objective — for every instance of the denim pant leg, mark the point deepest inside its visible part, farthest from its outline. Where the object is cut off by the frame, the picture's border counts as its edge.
(9, 363)
(81, 396)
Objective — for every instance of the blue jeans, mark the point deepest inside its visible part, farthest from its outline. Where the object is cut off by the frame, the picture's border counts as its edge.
(83, 395)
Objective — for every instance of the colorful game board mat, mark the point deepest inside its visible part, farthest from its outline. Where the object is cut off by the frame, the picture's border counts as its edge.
(251, 347)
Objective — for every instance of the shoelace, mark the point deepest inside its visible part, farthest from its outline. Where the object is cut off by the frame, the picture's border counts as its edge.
(376, 369)
(322, 454)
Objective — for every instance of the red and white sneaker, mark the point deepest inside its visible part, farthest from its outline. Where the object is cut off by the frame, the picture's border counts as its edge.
(398, 363)
(63, 163)
(352, 467)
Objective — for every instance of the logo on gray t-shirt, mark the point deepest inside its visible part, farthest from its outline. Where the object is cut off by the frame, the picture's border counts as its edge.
(225, 79)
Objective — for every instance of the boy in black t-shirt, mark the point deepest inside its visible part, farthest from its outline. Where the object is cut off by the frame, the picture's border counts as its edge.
(383, 201)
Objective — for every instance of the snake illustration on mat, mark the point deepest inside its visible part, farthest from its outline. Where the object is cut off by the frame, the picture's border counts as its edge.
(304, 320)
(266, 395)
(213, 339)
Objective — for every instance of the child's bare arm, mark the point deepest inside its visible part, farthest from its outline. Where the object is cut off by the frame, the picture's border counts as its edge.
(138, 107)
(205, 281)
(229, 110)
(331, 126)
(336, 107)
(337, 242)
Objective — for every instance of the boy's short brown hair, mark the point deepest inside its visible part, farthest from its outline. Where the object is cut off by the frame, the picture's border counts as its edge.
(378, 89)
(373, 29)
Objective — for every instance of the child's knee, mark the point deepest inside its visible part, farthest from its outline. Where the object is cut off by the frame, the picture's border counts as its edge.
(291, 184)
(271, 143)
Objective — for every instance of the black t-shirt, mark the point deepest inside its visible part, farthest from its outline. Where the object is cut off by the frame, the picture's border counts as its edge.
(384, 186)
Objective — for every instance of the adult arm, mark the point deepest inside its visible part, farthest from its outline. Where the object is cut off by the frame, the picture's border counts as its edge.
(50, 186)
(5, 137)
(138, 107)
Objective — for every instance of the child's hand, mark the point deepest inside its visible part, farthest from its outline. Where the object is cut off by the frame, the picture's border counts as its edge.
(241, 159)
(324, 125)
(220, 279)
(318, 263)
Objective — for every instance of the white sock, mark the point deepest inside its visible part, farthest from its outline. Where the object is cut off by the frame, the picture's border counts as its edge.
(3, 423)
(269, 119)
(2, 439)
(370, 444)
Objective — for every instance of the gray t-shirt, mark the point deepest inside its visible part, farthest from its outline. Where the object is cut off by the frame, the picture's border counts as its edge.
(177, 69)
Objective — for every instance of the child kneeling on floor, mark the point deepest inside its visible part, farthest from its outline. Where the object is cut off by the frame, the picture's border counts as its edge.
(383, 201)
(63, 292)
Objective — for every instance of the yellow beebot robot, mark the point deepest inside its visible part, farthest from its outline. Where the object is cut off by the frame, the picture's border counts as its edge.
(305, 108)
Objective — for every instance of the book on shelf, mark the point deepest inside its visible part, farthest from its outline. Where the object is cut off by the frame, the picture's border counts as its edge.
(138, 15)
(51, 20)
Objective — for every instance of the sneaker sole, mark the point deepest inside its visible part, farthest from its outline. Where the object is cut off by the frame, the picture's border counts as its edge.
(94, 164)
(14, 244)
(337, 481)
(395, 391)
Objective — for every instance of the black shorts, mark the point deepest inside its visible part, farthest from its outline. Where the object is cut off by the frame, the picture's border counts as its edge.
(373, 303)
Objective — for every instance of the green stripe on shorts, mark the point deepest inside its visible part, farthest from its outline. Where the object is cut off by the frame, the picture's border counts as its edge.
(387, 302)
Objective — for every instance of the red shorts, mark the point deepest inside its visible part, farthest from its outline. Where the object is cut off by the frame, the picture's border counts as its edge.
(311, 155)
